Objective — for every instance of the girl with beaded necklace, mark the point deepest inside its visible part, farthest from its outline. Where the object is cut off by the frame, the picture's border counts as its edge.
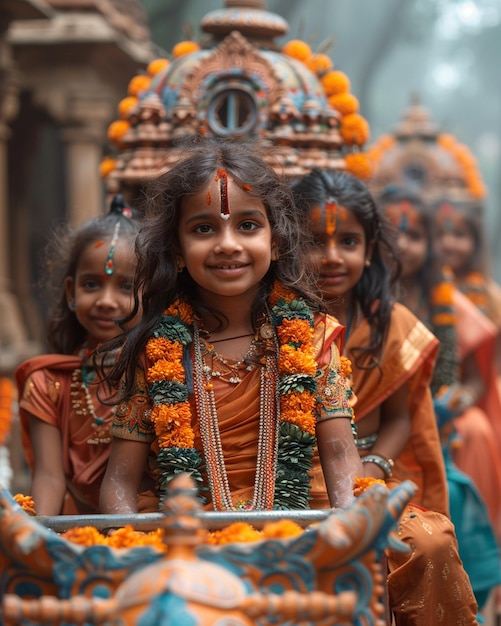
(65, 425)
(427, 289)
(227, 386)
(392, 355)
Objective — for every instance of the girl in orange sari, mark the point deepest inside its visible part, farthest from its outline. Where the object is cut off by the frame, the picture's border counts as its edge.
(65, 426)
(427, 288)
(392, 355)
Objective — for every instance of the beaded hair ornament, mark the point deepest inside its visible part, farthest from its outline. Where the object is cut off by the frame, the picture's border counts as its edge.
(118, 207)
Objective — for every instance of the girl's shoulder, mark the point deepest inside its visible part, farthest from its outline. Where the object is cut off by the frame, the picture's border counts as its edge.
(62, 363)
(405, 324)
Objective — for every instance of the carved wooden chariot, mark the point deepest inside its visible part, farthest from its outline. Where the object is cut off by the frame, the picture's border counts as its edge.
(330, 574)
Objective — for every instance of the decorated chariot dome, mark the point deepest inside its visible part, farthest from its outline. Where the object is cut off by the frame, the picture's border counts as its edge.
(421, 158)
(238, 83)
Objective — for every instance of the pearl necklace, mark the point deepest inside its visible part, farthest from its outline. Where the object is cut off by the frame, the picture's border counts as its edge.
(269, 420)
(82, 404)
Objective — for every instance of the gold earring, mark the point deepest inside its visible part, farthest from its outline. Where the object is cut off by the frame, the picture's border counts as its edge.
(367, 263)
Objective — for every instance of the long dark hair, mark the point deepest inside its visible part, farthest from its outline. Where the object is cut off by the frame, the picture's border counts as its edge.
(65, 334)
(157, 277)
(378, 279)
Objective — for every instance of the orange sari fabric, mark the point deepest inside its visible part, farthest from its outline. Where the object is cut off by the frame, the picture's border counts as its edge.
(479, 427)
(408, 357)
(44, 385)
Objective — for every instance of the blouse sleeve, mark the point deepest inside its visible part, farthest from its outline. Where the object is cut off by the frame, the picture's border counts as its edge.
(334, 379)
(132, 419)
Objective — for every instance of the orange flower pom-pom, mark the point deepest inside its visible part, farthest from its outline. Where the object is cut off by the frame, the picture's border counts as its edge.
(26, 503)
(320, 64)
(138, 84)
(359, 165)
(335, 82)
(156, 66)
(354, 129)
(116, 131)
(125, 105)
(345, 103)
(183, 48)
(106, 166)
(361, 484)
(298, 50)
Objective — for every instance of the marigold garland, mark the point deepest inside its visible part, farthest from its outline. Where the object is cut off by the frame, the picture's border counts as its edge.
(467, 161)
(171, 413)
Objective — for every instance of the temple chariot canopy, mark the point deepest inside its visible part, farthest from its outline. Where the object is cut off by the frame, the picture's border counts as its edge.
(238, 83)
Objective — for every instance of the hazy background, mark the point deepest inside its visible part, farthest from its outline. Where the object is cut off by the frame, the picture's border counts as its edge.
(446, 51)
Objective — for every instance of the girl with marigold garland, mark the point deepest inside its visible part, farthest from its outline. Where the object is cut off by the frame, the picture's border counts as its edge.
(427, 289)
(65, 425)
(231, 342)
(462, 246)
(392, 355)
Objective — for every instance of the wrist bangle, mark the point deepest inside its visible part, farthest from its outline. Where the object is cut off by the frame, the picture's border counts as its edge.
(385, 464)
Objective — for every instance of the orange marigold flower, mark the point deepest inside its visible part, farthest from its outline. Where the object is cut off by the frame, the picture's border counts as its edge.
(361, 484)
(297, 408)
(295, 331)
(354, 129)
(442, 294)
(116, 131)
(125, 105)
(238, 532)
(107, 166)
(297, 49)
(161, 347)
(183, 48)
(293, 361)
(346, 368)
(84, 536)
(138, 84)
(156, 66)
(180, 309)
(319, 63)
(280, 292)
(345, 103)
(127, 537)
(282, 529)
(26, 503)
(165, 369)
(358, 164)
(335, 82)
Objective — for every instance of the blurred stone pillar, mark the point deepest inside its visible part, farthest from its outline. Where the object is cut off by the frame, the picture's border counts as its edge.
(85, 189)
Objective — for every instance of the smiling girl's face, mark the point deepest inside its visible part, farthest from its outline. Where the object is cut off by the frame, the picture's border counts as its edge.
(341, 251)
(225, 257)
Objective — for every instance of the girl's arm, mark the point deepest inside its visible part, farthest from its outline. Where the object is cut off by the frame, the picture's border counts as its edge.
(340, 459)
(48, 485)
(394, 430)
(124, 472)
